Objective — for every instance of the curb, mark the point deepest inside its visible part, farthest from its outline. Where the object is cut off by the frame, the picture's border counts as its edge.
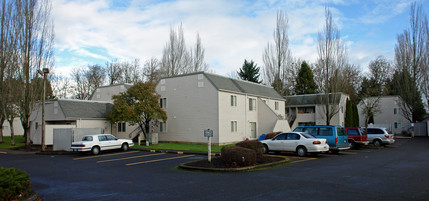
(240, 169)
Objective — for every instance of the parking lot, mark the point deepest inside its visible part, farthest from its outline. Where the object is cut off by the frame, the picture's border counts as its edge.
(396, 172)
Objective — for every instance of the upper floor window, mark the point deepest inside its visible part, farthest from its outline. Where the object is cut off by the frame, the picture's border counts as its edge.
(233, 100)
(252, 104)
(276, 105)
(163, 103)
(395, 110)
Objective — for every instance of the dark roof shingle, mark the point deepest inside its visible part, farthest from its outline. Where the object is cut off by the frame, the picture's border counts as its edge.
(80, 109)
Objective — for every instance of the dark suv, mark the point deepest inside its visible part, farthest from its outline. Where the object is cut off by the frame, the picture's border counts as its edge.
(356, 138)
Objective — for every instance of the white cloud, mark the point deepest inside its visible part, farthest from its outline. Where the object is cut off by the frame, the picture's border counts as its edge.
(231, 31)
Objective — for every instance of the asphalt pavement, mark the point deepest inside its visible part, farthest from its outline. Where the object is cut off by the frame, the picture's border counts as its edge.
(396, 172)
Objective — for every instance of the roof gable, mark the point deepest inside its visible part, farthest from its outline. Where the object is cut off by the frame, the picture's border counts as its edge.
(242, 86)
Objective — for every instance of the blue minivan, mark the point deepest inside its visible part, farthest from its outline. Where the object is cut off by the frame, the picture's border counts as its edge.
(335, 135)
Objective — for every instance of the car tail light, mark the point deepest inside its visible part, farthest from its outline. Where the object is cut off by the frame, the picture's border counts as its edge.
(317, 142)
(386, 135)
(78, 145)
(336, 140)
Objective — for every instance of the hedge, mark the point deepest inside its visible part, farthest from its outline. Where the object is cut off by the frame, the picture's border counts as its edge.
(238, 156)
(254, 145)
(14, 184)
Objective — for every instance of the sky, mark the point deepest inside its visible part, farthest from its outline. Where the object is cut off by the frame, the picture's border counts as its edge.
(89, 32)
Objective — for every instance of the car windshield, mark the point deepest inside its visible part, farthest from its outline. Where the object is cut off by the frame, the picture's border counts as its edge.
(306, 135)
(87, 138)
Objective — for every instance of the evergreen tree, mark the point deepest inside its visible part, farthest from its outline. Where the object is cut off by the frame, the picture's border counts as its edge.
(249, 71)
(355, 115)
(349, 121)
(305, 80)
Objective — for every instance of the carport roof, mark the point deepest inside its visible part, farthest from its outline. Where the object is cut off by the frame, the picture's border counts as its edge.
(81, 109)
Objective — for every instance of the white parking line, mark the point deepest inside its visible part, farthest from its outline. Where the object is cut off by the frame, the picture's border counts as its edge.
(2, 152)
(118, 159)
(103, 155)
(157, 160)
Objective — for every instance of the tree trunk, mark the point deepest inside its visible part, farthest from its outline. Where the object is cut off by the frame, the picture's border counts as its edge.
(12, 133)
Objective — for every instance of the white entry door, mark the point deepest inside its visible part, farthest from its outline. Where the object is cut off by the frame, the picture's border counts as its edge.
(252, 129)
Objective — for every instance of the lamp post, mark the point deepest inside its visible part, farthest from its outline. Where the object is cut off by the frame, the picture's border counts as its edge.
(44, 73)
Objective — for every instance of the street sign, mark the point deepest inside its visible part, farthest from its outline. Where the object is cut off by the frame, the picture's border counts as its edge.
(208, 133)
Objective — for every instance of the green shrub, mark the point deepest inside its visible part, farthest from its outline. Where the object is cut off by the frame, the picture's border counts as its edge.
(238, 156)
(14, 184)
(271, 135)
(254, 145)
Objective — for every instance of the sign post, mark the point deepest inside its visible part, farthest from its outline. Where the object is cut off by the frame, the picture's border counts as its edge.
(209, 133)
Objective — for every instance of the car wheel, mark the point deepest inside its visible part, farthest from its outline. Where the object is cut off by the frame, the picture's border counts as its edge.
(95, 150)
(125, 147)
(377, 143)
(301, 151)
(266, 150)
(352, 144)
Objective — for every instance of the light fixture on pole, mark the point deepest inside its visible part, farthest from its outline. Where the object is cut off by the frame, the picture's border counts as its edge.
(44, 73)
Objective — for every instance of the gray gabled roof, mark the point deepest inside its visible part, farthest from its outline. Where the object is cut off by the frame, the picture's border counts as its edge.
(240, 86)
(312, 99)
(81, 109)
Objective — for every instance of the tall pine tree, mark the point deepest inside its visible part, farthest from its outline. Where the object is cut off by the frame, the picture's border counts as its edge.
(305, 80)
(249, 71)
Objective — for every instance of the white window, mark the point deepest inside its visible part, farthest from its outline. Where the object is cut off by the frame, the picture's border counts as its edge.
(233, 126)
(252, 104)
(233, 100)
(276, 105)
(200, 76)
(121, 127)
(98, 96)
(395, 110)
(163, 103)
(162, 81)
(398, 125)
(162, 127)
(200, 84)
(162, 88)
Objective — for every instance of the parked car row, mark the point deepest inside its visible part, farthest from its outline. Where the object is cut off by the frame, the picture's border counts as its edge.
(316, 139)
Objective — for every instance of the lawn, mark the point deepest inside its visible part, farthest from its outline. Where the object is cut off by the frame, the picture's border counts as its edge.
(181, 147)
(19, 142)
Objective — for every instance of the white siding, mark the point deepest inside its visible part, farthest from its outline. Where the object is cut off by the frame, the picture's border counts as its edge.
(191, 109)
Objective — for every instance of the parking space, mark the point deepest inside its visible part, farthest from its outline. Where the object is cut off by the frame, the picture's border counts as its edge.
(131, 158)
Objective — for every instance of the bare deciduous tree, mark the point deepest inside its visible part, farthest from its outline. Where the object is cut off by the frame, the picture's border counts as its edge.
(332, 58)
(277, 57)
(412, 51)
(35, 32)
(7, 50)
(113, 72)
(370, 107)
(197, 57)
(175, 58)
(151, 71)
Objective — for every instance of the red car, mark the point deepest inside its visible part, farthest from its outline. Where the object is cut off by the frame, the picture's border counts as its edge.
(356, 137)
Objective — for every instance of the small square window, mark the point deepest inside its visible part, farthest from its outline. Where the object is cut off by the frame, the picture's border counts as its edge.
(162, 127)
(276, 105)
(121, 127)
(163, 103)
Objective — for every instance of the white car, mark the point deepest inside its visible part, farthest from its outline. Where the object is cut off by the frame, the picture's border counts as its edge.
(100, 142)
(301, 143)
